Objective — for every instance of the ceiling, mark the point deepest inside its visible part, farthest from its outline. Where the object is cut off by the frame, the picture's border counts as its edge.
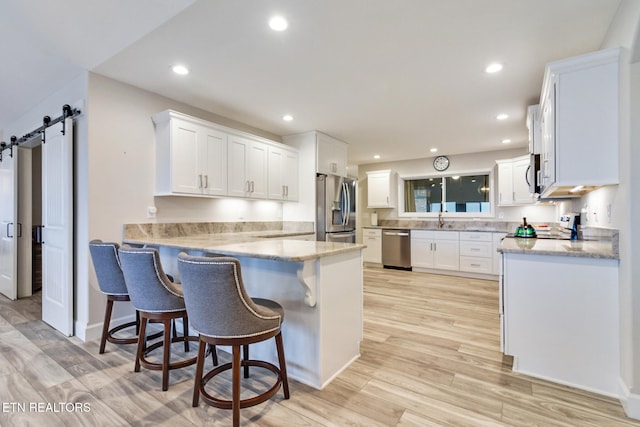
(393, 78)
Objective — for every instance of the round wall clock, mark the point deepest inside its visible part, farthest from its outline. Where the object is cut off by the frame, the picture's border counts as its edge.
(441, 163)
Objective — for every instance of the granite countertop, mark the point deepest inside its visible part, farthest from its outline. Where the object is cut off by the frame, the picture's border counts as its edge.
(267, 245)
(553, 247)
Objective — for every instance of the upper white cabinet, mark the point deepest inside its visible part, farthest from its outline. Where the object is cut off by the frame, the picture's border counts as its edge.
(579, 123)
(247, 168)
(199, 158)
(283, 173)
(380, 186)
(190, 157)
(513, 188)
(533, 125)
(331, 155)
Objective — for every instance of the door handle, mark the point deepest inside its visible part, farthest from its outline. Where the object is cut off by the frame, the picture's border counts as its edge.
(199, 181)
(8, 224)
(206, 181)
(19, 229)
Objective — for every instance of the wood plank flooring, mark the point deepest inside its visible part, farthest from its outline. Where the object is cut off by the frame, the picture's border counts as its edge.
(430, 357)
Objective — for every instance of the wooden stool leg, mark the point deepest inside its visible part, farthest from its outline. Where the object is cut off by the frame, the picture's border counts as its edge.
(283, 365)
(199, 369)
(105, 326)
(245, 355)
(185, 333)
(142, 343)
(235, 402)
(214, 354)
(166, 353)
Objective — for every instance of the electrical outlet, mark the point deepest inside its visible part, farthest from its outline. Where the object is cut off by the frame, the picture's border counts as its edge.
(151, 212)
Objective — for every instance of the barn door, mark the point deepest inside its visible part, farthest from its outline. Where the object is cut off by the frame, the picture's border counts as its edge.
(57, 220)
(8, 226)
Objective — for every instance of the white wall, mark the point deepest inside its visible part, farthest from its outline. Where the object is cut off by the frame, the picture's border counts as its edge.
(625, 200)
(458, 164)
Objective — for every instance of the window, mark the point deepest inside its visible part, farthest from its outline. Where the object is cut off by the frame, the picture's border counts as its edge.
(456, 194)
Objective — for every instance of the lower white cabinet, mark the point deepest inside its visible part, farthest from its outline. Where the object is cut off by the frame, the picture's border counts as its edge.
(435, 249)
(372, 238)
(561, 319)
(475, 252)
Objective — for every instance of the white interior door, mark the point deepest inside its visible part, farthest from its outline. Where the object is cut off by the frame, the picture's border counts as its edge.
(8, 228)
(57, 233)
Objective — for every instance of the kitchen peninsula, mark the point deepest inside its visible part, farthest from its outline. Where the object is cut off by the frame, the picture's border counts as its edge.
(319, 284)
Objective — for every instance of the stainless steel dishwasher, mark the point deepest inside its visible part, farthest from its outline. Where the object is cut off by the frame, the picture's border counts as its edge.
(396, 248)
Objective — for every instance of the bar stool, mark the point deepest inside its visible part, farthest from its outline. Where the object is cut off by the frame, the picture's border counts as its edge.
(158, 300)
(223, 314)
(111, 283)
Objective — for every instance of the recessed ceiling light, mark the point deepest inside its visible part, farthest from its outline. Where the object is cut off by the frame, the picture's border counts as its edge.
(502, 116)
(506, 141)
(434, 150)
(493, 68)
(278, 23)
(376, 156)
(287, 117)
(180, 69)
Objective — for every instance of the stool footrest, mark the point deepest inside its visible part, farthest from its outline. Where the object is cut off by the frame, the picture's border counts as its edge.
(244, 403)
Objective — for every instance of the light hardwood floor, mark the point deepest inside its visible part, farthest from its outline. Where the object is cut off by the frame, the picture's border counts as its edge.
(430, 357)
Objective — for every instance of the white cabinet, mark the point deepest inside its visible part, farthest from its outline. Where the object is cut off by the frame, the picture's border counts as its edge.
(190, 157)
(435, 249)
(331, 155)
(533, 125)
(513, 188)
(247, 162)
(561, 319)
(579, 123)
(199, 158)
(372, 238)
(380, 186)
(283, 174)
(475, 252)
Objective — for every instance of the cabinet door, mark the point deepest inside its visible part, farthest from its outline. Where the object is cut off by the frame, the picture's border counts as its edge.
(548, 134)
(257, 169)
(521, 192)
(185, 172)
(276, 173)
(373, 252)
(290, 177)
(505, 183)
(447, 254)
(213, 173)
(331, 155)
(378, 190)
(422, 253)
(238, 154)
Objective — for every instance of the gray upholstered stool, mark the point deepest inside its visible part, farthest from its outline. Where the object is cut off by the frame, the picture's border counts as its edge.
(111, 283)
(223, 314)
(158, 300)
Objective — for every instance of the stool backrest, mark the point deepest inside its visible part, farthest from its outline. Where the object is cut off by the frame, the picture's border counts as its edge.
(149, 287)
(217, 302)
(107, 267)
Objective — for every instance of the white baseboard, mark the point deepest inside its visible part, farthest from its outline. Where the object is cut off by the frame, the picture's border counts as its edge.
(630, 401)
(92, 332)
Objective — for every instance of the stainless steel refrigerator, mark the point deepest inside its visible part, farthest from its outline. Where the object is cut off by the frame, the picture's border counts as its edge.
(335, 209)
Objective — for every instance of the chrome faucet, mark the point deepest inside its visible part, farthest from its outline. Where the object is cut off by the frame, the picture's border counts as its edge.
(440, 220)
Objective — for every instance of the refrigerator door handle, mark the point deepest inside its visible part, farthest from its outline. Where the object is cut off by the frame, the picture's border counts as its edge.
(344, 204)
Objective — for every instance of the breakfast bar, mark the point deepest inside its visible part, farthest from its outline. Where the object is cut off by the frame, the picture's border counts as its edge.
(319, 285)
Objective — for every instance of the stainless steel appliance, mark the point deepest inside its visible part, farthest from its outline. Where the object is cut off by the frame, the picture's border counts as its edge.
(335, 209)
(396, 248)
(533, 175)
